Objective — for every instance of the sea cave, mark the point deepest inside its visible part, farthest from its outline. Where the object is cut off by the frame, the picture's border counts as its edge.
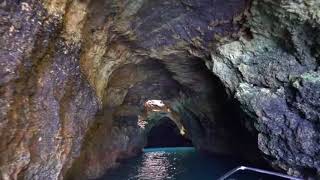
(159, 89)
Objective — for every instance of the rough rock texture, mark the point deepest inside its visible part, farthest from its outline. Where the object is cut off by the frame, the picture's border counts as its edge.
(75, 76)
(275, 76)
(46, 104)
(135, 51)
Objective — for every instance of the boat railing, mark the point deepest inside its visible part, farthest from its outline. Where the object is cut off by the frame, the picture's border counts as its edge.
(244, 168)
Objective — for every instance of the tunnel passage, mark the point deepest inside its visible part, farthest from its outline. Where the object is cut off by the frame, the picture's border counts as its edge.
(141, 62)
(184, 92)
(130, 51)
(166, 134)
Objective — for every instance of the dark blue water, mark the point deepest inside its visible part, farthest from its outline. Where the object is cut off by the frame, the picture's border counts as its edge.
(177, 164)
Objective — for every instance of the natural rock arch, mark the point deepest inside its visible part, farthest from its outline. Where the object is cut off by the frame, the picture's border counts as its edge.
(165, 133)
(62, 111)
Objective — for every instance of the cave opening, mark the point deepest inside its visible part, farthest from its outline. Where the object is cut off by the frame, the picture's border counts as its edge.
(195, 99)
(166, 134)
(75, 77)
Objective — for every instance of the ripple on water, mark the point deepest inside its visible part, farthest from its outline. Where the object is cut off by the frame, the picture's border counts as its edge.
(177, 164)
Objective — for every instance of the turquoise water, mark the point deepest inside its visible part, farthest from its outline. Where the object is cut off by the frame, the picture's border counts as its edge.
(177, 164)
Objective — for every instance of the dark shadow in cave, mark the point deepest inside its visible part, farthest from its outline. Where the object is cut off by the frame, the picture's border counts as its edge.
(166, 134)
(233, 119)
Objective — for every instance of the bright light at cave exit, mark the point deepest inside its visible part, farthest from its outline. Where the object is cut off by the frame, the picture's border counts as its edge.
(156, 106)
(150, 106)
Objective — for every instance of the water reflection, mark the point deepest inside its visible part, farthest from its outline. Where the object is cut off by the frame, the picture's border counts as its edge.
(155, 165)
(182, 163)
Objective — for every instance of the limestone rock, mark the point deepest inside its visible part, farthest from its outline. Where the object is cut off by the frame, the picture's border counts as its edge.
(274, 77)
(46, 104)
(75, 76)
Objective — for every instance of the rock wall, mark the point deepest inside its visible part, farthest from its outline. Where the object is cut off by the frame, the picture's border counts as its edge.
(46, 103)
(75, 75)
(275, 77)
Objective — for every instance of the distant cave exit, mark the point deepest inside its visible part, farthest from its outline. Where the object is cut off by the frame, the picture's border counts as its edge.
(166, 134)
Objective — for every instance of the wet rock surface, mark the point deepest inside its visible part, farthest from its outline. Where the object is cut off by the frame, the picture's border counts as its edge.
(75, 77)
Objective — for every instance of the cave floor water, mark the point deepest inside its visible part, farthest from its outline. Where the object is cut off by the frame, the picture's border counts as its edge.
(181, 163)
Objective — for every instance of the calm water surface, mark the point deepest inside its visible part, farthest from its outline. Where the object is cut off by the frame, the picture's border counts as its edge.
(177, 164)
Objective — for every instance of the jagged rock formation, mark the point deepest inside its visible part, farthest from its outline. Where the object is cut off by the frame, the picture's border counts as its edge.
(275, 77)
(75, 76)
